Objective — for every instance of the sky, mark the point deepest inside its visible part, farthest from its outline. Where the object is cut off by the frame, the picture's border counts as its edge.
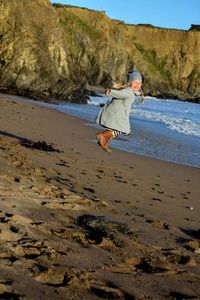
(178, 14)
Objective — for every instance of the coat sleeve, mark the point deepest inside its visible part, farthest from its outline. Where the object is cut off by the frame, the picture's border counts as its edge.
(121, 94)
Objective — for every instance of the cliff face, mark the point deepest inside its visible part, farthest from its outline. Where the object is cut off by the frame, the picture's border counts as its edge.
(56, 50)
(33, 53)
(172, 56)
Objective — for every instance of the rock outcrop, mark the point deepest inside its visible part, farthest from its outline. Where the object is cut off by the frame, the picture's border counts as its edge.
(55, 51)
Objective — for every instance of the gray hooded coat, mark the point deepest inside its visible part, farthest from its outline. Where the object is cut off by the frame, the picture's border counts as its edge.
(115, 114)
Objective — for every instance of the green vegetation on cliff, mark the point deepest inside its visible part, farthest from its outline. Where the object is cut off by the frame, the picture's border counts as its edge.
(76, 25)
(159, 64)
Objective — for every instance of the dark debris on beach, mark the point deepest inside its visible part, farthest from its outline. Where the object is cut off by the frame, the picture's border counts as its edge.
(40, 145)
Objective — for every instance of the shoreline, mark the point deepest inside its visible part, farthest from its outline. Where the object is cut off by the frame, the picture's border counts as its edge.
(116, 143)
(43, 194)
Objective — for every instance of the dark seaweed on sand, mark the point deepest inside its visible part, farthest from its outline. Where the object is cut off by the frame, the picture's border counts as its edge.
(41, 145)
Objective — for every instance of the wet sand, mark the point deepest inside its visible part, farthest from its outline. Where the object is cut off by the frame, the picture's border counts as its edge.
(55, 245)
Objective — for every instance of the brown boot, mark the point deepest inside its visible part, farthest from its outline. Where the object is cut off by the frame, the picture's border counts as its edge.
(104, 138)
(110, 136)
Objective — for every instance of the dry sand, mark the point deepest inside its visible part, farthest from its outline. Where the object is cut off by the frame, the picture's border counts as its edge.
(146, 245)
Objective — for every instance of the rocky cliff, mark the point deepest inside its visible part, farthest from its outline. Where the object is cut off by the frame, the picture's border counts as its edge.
(55, 50)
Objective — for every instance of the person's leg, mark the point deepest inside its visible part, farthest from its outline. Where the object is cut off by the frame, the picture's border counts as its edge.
(105, 137)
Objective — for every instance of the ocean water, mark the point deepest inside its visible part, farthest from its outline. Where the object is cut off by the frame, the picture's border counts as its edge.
(163, 129)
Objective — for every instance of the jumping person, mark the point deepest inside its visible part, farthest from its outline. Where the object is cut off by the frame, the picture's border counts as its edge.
(114, 116)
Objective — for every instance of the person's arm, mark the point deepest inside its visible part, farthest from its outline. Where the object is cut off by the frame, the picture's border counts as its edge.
(121, 94)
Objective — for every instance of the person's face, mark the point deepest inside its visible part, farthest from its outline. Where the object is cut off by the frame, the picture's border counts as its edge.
(136, 85)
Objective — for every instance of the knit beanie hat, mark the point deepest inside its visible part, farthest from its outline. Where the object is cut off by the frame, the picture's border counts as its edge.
(133, 75)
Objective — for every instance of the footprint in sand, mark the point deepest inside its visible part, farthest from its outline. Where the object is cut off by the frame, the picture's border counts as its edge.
(156, 199)
(180, 259)
(52, 277)
(12, 227)
(75, 278)
(72, 202)
(109, 290)
(159, 224)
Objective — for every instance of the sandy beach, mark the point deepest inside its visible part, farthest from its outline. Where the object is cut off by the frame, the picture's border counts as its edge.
(79, 223)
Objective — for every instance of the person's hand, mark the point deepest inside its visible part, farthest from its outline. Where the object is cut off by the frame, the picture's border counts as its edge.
(107, 92)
